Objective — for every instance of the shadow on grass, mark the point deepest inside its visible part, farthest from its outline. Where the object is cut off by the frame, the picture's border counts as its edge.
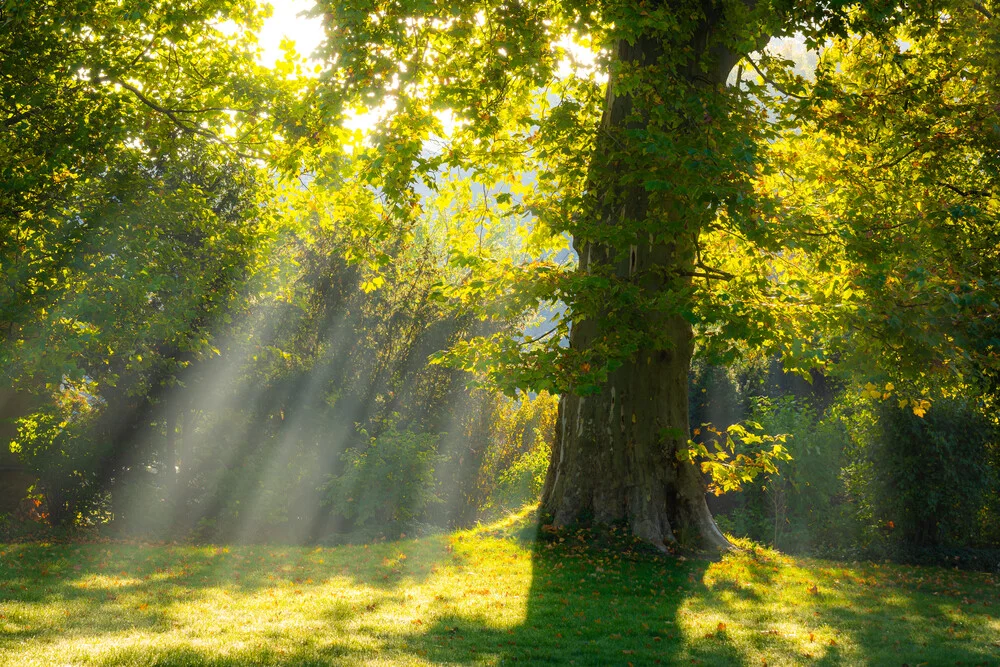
(579, 600)
(589, 605)
(818, 612)
(606, 605)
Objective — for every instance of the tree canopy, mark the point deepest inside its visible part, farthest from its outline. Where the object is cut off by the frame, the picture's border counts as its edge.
(560, 196)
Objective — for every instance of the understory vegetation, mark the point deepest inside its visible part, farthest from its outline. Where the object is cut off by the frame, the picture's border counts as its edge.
(865, 477)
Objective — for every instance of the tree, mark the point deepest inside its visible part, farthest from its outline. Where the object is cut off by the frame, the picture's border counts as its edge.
(172, 240)
(892, 167)
(88, 88)
(130, 209)
(656, 168)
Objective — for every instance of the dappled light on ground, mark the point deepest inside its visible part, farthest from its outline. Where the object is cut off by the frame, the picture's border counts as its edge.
(484, 596)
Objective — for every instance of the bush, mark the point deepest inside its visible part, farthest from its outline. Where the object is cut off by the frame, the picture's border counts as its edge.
(866, 478)
(925, 481)
(801, 507)
(517, 455)
(522, 482)
(387, 482)
(56, 443)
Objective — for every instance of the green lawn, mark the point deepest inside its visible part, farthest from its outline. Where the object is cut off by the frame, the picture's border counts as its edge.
(485, 596)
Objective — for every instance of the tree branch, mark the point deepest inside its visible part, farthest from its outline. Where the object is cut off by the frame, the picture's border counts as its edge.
(17, 117)
(964, 193)
(893, 163)
(180, 123)
(529, 341)
(708, 272)
(772, 83)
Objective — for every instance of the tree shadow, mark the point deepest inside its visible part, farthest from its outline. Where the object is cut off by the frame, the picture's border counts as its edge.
(588, 604)
(798, 611)
(585, 603)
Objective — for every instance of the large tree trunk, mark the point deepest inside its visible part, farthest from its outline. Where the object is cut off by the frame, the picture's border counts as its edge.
(615, 454)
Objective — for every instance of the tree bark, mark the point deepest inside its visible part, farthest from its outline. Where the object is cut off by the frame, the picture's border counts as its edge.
(615, 454)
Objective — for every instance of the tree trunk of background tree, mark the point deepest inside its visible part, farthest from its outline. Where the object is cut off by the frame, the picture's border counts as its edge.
(615, 453)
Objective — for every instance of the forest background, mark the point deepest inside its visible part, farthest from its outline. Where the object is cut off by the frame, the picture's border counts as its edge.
(230, 314)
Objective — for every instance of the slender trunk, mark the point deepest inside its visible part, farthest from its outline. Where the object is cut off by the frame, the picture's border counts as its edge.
(615, 454)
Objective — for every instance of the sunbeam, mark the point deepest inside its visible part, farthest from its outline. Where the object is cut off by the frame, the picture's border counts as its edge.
(419, 333)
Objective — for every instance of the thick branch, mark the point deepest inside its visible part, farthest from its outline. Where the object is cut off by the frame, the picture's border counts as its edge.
(180, 123)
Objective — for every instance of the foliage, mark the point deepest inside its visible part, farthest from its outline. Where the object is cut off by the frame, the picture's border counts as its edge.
(519, 441)
(132, 212)
(925, 481)
(760, 259)
(891, 168)
(57, 443)
(711, 214)
(389, 482)
(876, 476)
(801, 506)
(521, 482)
(247, 344)
(172, 241)
(207, 333)
(736, 456)
(102, 100)
(328, 352)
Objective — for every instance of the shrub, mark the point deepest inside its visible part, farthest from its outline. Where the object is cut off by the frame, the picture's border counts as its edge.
(522, 482)
(387, 481)
(517, 455)
(801, 505)
(56, 443)
(924, 481)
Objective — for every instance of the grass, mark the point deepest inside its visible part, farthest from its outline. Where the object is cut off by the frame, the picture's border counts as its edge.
(484, 596)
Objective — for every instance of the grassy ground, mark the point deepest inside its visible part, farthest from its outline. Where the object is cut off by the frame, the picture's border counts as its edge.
(486, 596)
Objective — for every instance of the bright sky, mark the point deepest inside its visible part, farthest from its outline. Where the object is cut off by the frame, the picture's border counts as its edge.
(285, 23)
(307, 33)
